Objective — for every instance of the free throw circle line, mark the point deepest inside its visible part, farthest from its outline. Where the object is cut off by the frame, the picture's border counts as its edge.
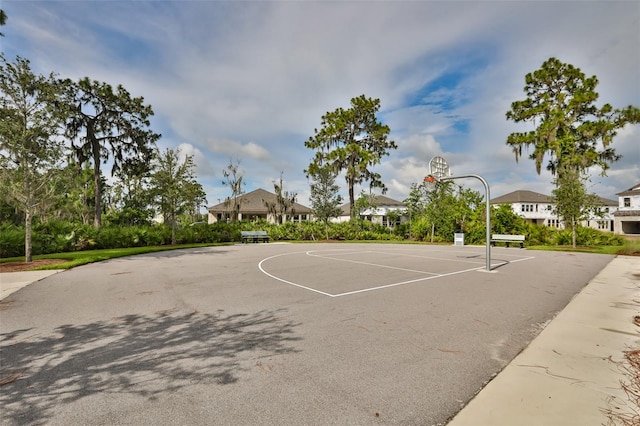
(289, 282)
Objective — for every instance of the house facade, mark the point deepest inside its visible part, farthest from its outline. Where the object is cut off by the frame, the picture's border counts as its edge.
(540, 209)
(627, 216)
(387, 212)
(252, 206)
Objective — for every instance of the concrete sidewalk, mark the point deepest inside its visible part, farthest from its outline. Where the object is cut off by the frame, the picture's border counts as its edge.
(10, 282)
(569, 373)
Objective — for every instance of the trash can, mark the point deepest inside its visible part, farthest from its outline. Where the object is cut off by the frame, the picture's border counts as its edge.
(458, 239)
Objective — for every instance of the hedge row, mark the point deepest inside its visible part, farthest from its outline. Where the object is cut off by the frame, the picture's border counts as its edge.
(58, 237)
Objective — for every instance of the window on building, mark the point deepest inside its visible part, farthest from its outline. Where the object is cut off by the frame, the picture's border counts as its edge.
(553, 223)
(627, 202)
(603, 224)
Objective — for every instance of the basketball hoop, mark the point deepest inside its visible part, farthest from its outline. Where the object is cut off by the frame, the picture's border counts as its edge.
(439, 171)
(439, 168)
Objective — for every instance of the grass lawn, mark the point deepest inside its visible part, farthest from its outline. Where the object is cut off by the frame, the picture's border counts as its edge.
(596, 249)
(77, 258)
(629, 248)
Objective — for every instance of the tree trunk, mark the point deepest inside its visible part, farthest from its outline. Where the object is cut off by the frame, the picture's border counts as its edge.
(97, 216)
(95, 151)
(352, 204)
(573, 232)
(28, 249)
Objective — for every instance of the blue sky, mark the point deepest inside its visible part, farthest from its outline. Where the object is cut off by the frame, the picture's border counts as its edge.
(250, 80)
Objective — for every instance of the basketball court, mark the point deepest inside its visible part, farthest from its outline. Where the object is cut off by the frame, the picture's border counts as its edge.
(346, 271)
(277, 333)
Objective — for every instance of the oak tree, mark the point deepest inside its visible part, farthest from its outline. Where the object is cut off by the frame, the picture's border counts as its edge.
(106, 124)
(570, 129)
(352, 141)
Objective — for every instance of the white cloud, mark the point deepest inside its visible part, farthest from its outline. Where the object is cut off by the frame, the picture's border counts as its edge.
(251, 80)
(238, 150)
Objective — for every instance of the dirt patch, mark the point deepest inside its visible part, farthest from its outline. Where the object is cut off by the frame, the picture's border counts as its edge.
(24, 266)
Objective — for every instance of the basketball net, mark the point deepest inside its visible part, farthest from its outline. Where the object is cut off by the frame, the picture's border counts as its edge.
(430, 183)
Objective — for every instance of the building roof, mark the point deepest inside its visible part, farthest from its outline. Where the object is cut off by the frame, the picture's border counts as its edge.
(381, 200)
(634, 190)
(535, 197)
(522, 197)
(254, 202)
(607, 202)
(626, 213)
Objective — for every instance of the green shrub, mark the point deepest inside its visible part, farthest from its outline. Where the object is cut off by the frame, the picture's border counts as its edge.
(594, 237)
(11, 240)
(539, 235)
(155, 235)
(585, 237)
(421, 228)
(111, 237)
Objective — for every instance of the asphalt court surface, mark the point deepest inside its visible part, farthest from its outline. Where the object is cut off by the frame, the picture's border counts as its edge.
(345, 271)
(276, 334)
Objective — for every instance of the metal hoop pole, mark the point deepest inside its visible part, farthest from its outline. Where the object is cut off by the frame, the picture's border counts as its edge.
(488, 212)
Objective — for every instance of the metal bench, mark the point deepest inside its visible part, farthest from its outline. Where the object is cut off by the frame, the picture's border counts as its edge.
(254, 237)
(507, 239)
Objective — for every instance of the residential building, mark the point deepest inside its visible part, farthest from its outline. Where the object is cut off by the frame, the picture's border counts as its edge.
(540, 209)
(627, 218)
(387, 212)
(253, 206)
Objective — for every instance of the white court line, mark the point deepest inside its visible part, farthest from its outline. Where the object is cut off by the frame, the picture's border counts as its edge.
(427, 278)
(517, 260)
(401, 252)
(403, 283)
(434, 275)
(476, 262)
(285, 281)
(428, 257)
(368, 263)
